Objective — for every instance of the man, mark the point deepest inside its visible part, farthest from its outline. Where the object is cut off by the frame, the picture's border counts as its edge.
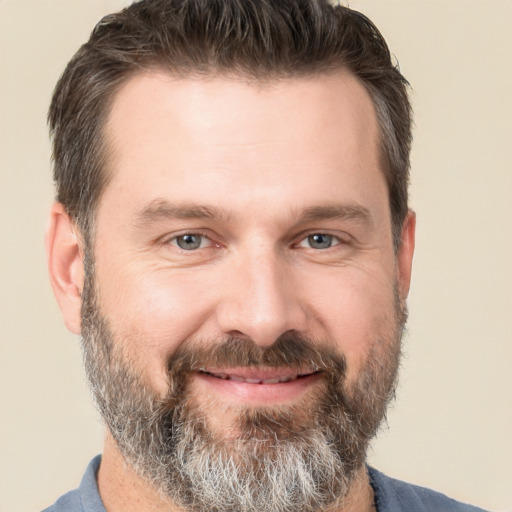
(233, 242)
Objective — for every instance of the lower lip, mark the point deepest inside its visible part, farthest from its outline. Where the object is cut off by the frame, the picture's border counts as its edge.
(257, 394)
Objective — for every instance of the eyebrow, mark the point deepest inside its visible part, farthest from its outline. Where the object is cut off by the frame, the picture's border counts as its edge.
(161, 210)
(349, 211)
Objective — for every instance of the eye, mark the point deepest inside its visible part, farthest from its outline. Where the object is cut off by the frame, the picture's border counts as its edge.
(190, 241)
(319, 241)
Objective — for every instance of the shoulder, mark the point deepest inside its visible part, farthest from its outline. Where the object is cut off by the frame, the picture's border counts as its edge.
(394, 496)
(84, 499)
(70, 502)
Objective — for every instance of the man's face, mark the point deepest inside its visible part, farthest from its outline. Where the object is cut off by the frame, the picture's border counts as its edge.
(243, 253)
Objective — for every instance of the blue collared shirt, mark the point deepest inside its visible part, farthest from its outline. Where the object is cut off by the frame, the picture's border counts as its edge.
(390, 496)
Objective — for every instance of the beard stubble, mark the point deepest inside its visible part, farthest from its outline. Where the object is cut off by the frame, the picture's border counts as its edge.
(299, 457)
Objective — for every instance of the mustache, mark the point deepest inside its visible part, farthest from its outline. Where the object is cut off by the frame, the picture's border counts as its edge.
(291, 350)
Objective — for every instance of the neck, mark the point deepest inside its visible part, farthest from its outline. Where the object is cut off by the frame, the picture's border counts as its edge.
(123, 490)
(360, 497)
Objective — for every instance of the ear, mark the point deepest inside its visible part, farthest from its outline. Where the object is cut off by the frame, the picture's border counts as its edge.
(65, 264)
(405, 254)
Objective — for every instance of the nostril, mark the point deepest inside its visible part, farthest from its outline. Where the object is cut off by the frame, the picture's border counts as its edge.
(259, 303)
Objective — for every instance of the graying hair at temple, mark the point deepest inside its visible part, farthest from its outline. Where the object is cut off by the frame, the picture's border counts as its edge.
(258, 39)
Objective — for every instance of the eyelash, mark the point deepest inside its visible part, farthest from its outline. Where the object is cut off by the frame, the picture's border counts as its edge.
(335, 239)
(204, 237)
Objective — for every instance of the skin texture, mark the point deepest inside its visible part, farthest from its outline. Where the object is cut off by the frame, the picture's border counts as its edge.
(255, 169)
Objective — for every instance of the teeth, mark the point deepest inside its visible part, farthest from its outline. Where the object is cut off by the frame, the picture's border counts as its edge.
(238, 378)
(222, 376)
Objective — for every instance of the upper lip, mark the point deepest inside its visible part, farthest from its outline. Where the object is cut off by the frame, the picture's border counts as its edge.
(253, 375)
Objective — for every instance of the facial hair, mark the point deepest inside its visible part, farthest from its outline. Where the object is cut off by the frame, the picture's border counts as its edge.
(300, 457)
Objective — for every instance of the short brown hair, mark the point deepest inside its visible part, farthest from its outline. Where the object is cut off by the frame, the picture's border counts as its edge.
(259, 38)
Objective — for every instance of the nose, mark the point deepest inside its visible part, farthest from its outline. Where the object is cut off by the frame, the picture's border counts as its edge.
(260, 299)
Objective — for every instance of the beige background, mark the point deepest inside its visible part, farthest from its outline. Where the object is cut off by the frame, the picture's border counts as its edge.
(451, 428)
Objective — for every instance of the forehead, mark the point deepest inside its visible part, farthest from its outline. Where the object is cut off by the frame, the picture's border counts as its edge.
(213, 105)
(190, 136)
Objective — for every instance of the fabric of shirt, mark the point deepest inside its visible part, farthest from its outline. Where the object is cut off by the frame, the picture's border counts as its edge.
(390, 496)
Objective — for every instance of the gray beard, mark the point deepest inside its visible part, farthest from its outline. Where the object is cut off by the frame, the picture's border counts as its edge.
(302, 457)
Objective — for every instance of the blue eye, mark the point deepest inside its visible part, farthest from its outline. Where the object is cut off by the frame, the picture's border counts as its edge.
(319, 241)
(190, 242)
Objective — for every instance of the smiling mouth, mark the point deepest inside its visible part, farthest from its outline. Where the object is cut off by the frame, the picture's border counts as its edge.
(253, 378)
(258, 386)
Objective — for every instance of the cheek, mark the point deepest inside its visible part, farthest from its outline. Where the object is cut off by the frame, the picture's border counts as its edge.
(150, 315)
(358, 313)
